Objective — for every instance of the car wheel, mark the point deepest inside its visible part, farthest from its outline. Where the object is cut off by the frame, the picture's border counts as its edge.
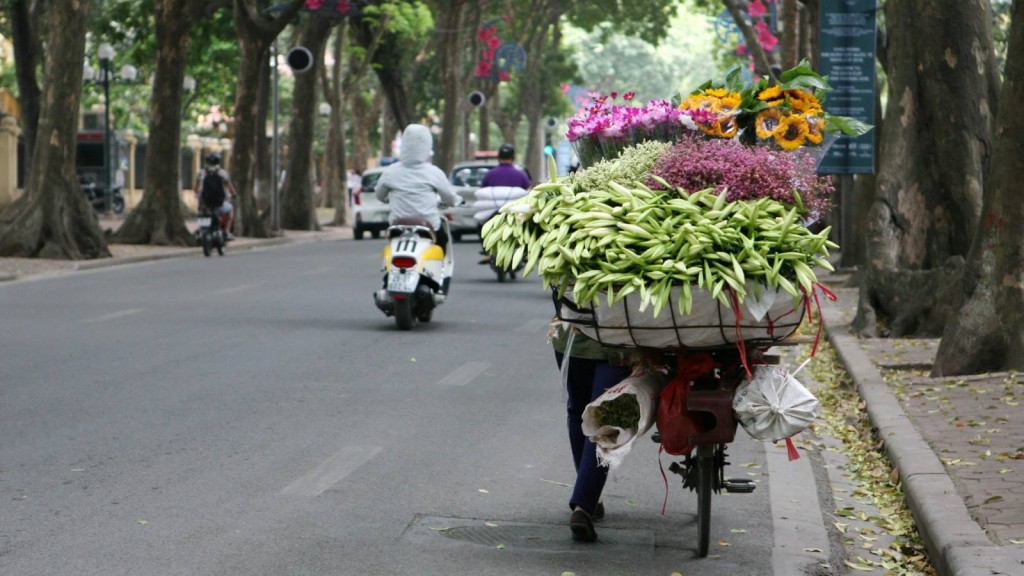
(457, 236)
(375, 234)
(358, 233)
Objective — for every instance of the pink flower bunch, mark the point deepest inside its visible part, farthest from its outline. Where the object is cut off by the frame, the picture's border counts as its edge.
(745, 172)
(603, 128)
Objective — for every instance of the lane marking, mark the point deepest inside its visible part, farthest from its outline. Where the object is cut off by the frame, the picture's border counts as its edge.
(535, 325)
(114, 315)
(238, 288)
(331, 471)
(464, 374)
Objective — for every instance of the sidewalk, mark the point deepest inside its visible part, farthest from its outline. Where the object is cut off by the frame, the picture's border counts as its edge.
(957, 443)
(22, 268)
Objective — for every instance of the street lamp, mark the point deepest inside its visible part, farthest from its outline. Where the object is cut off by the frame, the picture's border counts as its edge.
(128, 74)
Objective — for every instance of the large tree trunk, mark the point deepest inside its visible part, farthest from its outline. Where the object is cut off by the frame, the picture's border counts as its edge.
(933, 159)
(256, 31)
(450, 71)
(160, 219)
(335, 192)
(52, 219)
(988, 332)
(25, 39)
(297, 209)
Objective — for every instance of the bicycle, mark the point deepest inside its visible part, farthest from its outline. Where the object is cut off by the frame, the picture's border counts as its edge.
(711, 417)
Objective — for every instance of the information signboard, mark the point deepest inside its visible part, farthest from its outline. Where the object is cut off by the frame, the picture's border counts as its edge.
(847, 58)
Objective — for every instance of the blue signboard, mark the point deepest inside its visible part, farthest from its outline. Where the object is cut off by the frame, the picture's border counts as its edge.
(847, 58)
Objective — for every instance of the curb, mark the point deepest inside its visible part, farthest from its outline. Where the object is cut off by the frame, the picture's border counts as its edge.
(957, 546)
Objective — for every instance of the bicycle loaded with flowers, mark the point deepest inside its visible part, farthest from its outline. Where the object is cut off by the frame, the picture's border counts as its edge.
(689, 235)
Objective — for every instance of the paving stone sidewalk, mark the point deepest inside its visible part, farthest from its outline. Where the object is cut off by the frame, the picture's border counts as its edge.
(957, 442)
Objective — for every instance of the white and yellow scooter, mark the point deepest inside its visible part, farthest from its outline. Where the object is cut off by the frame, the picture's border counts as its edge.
(417, 272)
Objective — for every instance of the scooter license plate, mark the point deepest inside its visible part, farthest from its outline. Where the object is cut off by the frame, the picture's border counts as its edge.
(400, 281)
(204, 221)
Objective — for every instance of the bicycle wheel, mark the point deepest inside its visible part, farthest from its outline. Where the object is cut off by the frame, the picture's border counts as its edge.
(705, 487)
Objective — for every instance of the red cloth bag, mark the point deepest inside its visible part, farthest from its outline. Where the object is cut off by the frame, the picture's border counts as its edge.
(675, 423)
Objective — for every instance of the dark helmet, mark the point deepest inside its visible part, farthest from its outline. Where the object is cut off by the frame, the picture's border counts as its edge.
(213, 159)
(506, 152)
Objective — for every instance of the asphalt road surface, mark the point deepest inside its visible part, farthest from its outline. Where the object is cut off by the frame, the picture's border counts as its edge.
(256, 415)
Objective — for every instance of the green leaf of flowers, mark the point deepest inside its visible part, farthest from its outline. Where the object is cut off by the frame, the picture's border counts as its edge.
(846, 125)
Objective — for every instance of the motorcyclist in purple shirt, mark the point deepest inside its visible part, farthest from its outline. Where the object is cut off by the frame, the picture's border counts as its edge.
(505, 174)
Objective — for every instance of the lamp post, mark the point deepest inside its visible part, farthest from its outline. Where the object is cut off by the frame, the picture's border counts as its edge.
(128, 74)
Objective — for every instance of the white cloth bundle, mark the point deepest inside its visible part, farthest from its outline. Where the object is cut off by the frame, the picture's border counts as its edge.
(765, 314)
(773, 404)
(491, 198)
(614, 443)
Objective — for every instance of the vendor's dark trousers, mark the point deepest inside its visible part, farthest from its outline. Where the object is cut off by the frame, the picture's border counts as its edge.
(587, 380)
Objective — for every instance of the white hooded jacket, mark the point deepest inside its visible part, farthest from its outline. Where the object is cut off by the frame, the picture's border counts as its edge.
(412, 186)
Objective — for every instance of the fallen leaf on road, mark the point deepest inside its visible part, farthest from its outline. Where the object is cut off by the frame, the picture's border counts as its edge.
(143, 522)
(860, 567)
(482, 491)
(556, 483)
(490, 524)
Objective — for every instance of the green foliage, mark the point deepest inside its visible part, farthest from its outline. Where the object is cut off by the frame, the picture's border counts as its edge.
(645, 19)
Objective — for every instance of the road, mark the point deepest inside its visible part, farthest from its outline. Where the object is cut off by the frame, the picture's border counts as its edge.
(256, 415)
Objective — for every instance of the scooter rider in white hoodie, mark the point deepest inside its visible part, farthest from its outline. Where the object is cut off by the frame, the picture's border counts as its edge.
(412, 185)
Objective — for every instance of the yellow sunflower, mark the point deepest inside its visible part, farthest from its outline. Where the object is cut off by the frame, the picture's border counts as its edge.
(767, 122)
(815, 128)
(792, 132)
(803, 101)
(717, 92)
(697, 102)
(772, 95)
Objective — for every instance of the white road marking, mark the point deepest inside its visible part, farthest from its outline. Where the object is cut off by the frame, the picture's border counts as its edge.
(331, 471)
(238, 288)
(464, 374)
(114, 315)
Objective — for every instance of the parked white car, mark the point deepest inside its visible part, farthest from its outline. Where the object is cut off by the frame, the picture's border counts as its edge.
(369, 214)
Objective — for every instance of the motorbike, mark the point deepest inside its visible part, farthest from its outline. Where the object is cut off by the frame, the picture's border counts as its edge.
(488, 201)
(94, 194)
(417, 272)
(210, 232)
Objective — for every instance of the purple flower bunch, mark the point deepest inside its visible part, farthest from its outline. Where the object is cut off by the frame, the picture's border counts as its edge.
(601, 130)
(745, 172)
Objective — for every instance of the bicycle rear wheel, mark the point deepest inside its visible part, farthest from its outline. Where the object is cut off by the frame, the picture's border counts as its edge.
(705, 487)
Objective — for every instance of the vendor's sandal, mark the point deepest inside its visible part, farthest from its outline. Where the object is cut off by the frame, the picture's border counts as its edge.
(582, 527)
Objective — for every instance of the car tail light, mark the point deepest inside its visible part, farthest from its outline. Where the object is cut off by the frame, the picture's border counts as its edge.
(403, 262)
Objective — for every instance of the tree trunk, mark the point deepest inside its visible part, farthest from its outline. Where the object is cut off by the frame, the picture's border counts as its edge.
(159, 218)
(934, 150)
(52, 219)
(25, 39)
(297, 209)
(335, 184)
(256, 31)
(450, 71)
(762, 62)
(790, 16)
(988, 332)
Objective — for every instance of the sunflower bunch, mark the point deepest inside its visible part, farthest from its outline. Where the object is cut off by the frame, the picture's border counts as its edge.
(793, 118)
(714, 111)
(788, 115)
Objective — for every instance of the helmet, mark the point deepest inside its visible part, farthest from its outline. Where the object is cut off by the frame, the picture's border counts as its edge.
(506, 152)
(212, 158)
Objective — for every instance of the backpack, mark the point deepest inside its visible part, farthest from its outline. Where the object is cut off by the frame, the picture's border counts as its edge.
(213, 189)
